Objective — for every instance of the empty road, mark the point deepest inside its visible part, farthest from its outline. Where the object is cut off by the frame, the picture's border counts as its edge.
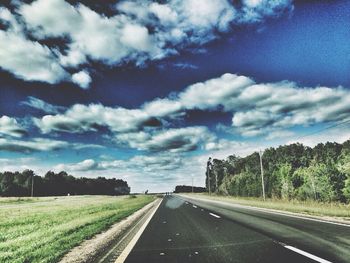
(184, 229)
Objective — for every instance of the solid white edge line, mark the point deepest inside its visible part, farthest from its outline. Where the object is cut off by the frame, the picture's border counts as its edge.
(122, 257)
(266, 210)
(214, 215)
(306, 254)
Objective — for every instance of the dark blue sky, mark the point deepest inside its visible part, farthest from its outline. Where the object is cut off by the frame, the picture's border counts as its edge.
(292, 48)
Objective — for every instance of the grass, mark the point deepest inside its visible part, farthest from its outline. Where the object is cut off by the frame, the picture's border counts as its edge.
(314, 208)
(44, 229)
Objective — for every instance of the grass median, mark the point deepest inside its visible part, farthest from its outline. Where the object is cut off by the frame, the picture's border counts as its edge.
(313, 208)
(44, 229)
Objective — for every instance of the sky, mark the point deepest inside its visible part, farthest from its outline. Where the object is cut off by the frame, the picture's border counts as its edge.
(146, 90)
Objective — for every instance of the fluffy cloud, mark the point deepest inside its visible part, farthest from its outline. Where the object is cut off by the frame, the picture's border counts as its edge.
(85, 165)
(81, 118)
(258, 10)
(223, 144)
(214, 92)
(9, 126)
(138, 163)
(257, 109)
(82, 78)
(34, 145)
(29, 60)
(116, 39)
(163, 108)
(40, 145)
(261, 108)
(171, 140)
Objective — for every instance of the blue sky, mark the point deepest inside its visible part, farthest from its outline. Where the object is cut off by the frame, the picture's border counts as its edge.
(147, 91)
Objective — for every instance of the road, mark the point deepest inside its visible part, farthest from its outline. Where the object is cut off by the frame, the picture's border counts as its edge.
(191, 230)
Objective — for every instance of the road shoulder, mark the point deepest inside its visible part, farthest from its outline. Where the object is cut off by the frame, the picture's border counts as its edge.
(93, 249)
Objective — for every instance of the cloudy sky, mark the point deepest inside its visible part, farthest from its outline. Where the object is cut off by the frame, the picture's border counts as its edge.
(146, 91)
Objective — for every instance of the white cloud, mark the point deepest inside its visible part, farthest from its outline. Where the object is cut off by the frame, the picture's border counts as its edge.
(82, 78)
(29, 60)
(42, 105)
(339, 134)
(183, 65)
(214, 92)
(35, 144)
(171, 140)
(258, 10)
(261, 108)
(81, 118)
(40, 145)
(116, 39)
(278, 134)
(9, 126)
(85, 165)
(256, 108)
(163, 107)
(223, 144)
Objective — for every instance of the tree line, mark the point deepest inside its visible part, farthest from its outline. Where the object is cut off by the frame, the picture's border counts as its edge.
(291, 171)
(54, 184)
(189, 189)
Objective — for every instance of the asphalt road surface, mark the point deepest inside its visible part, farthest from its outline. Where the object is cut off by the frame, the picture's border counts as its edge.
(191, 230)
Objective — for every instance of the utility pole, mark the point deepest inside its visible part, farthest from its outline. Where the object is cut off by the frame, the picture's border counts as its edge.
(192, 184)
(208, 173)
(262, 175)
(32, 192)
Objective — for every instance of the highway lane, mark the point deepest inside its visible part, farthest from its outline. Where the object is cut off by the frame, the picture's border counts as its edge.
(188, 230)
(327, 240)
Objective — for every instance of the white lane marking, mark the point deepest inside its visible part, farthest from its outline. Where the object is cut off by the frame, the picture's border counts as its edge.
(123, 238)
(194, 206)
(214, 215)
(161, 254)
(306, 254)
(266, 210)
(132, 243)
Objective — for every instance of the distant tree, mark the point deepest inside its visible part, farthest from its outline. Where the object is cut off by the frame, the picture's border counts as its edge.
(188, 189)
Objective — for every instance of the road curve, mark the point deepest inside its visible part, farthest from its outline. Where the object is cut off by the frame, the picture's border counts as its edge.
(191, 230)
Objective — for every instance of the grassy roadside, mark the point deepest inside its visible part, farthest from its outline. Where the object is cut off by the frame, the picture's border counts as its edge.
(337, 210)
(44, 229)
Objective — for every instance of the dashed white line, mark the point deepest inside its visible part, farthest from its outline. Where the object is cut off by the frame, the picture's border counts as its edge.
(306, 254)
(266, 210)
(214, 215)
